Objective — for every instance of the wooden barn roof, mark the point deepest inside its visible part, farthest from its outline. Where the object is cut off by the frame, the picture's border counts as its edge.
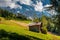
(32, 24)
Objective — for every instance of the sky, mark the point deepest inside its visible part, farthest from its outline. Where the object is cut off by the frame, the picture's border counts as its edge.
(40, 4)
(12, 4)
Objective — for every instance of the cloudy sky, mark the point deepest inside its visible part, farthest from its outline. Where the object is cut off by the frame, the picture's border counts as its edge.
(38, 6)
(12, 4)
(5, 3)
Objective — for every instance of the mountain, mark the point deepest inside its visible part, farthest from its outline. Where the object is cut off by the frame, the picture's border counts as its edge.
(28, 10)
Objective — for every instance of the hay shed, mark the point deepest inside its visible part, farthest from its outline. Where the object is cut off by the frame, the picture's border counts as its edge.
(35, 27)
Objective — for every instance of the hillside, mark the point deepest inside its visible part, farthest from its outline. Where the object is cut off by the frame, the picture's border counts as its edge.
(14, 30)
(29, 19)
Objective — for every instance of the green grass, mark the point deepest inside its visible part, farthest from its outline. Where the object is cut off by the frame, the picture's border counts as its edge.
(15, 28)
(26, 21)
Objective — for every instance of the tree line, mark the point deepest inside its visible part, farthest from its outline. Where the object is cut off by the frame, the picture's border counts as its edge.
(9, 15)
(49, 24)
(56, 20)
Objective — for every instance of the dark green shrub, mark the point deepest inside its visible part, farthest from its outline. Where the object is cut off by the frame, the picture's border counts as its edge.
(44, 30)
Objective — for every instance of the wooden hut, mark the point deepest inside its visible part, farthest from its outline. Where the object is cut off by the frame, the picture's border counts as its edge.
(35, 27)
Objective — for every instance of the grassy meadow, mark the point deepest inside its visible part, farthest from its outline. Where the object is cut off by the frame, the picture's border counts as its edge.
(21, 32)
(16, 15)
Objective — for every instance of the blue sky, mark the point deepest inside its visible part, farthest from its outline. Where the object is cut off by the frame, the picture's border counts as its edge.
(12, 3)
(36, 5)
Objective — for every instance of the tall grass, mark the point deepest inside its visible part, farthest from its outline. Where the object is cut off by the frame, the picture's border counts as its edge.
(13, 27)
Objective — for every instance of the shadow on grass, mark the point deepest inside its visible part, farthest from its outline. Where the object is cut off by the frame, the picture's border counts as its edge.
(14, 36)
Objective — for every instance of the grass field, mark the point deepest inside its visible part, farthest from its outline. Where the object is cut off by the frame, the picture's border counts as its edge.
(23, 32)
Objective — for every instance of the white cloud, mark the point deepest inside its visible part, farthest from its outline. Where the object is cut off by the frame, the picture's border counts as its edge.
(16, 0)
(48, 5)
(12, 5)
(20, 7)
(27, 9)
(27, 2)
(18, 11)
(30, 18)
(52, 12)
(4, 3)
(39, 6)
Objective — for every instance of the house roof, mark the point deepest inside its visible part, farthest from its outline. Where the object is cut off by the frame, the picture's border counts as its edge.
(34, 23)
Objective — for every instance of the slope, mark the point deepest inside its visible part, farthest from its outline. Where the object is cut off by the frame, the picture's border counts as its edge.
(14, 27)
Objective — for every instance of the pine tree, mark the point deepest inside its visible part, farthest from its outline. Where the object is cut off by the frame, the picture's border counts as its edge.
(56, 5)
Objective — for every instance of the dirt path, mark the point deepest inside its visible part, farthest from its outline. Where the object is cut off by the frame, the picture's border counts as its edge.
(20, 23)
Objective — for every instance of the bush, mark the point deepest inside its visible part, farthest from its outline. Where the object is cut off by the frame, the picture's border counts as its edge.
(44, 24)
(1, 19)
(44, 30)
